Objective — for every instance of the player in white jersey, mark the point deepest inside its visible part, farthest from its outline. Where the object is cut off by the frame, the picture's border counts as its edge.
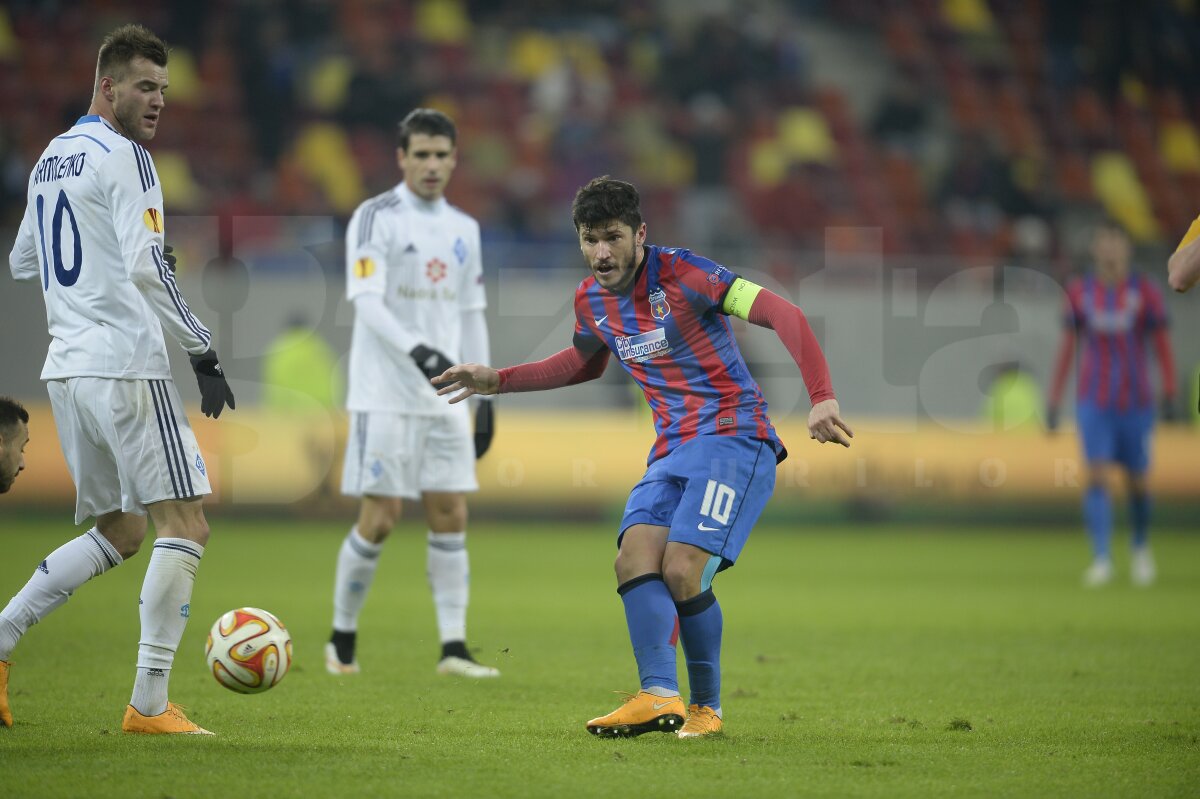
(92, 237)
(415, 276)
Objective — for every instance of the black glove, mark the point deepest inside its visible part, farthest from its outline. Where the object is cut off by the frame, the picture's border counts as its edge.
(431, 362)
(1167, 409)
(170, 257)
(1052, 419)
(485, 427)
(215, 393)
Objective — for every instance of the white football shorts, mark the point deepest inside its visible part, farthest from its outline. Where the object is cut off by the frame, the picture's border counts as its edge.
(401, 455)
(127, 444)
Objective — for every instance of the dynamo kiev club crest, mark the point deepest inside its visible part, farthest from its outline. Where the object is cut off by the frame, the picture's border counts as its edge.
(658, 304)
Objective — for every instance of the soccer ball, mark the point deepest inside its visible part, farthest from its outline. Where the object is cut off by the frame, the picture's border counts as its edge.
(248, 650)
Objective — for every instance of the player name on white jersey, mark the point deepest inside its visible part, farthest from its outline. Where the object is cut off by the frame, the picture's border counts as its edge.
(57, 167)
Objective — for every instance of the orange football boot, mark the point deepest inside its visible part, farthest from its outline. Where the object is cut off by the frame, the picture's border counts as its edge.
(170, 722)
(640, 713)
(5, 712)
(701, 721)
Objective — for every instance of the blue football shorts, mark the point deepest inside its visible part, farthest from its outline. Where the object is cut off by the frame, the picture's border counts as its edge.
(710, 492)
(1115, 436)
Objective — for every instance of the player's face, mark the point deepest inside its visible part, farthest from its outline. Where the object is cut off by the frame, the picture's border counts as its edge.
(613, 251)
(139, 97)
(428, 164)
(12, 454)
(1111, 251)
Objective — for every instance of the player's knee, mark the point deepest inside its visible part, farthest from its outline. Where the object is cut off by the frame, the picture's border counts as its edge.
(446, 513)
(629, 565)
(376, 531)
(376, 527)
(448, 521)
(127, 546)
(376, 518)
(681, 579)
(124, 531)
(188, 522)
(197, 531)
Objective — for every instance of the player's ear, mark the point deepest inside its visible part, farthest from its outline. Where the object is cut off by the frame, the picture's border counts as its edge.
(640, 236)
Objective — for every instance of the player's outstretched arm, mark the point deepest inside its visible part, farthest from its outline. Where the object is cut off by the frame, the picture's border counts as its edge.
(826, 426)
(467, 380)
(764, 308)
(564, 368)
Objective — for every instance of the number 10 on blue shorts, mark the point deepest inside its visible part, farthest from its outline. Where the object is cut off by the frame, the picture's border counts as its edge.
(709, 491)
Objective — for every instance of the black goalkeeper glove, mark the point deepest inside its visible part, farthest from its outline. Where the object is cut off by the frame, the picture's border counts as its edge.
(215, 393)
(485, 427)
(1052, 419)
(170, 257)
(431, 362)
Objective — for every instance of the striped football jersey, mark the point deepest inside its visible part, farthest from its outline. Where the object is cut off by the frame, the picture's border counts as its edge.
(671, 337)
(1114, 326)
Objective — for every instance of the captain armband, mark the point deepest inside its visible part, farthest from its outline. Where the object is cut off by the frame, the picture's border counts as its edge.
(740, 298)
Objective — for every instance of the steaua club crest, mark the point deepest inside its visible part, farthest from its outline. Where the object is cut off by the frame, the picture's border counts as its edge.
(658, 305)
(435, 270)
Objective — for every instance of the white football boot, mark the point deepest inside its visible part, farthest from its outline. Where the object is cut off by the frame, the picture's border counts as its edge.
(1142, 570)
(461, 667)
(1098, 574)
(336, 667)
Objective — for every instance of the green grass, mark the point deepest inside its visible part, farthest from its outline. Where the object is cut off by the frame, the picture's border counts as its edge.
(858, 662)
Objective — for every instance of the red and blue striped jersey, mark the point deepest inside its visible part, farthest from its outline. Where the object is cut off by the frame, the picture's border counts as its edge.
(671, 337)
(1114, 324)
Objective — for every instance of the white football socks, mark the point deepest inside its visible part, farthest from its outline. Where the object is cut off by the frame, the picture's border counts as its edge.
(164, 608)
(53, 582)
(449, 578)
(357, 561)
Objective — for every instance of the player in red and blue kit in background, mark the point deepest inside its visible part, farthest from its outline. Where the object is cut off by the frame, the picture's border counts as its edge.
(664, 314)
(1113, 315)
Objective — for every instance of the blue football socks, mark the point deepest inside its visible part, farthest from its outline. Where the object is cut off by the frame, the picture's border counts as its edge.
(653, 631)
(1139, 516)
(700, 626)
(1097, 515)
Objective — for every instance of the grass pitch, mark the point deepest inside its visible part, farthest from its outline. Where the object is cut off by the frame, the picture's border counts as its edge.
(857, 662)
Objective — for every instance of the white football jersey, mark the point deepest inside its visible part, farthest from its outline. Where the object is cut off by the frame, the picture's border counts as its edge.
(424, 258)
(92, 235)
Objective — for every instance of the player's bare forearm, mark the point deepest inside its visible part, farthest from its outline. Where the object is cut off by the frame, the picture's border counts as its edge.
(825, 424)
(468, 380)
(1183, 268)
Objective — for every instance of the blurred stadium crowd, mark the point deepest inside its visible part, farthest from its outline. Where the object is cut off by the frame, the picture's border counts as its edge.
(975, 130)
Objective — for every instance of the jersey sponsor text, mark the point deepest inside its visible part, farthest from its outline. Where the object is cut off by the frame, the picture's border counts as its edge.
(643, 346)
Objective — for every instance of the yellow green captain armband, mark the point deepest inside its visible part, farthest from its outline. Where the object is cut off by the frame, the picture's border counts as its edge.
(740, 298)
